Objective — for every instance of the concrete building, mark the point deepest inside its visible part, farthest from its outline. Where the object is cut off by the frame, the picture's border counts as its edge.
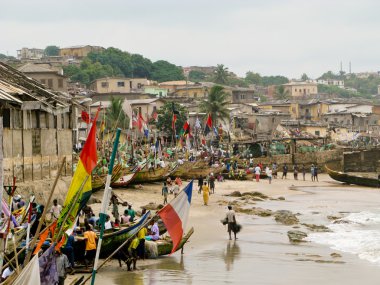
(118, 85)
(36, 130)
(172, 86)
(79, 51)
(48, 75)
(244, 95)
(193, 91)
(299, 89)
(30, 53)
(156, 90)
(331, 82)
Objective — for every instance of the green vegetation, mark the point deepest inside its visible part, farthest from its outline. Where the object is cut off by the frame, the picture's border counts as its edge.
(281, 93)
(52, 51)
(6, 57)
(221, 74)
(114, 62)
(216, 104)
(197, 76)
(257, 79)
(165, 117)
(115, 116)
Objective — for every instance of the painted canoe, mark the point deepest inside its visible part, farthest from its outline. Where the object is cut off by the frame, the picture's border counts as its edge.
(128, 174)
(192, 170)
(164, 247)
(352, 179)
(99, 181)
(113, 240)
(159, 174)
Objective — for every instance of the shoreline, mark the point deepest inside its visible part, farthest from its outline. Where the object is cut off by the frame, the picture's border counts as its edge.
(209, 234)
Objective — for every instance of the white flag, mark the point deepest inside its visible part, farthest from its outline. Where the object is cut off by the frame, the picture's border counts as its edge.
(30, 275)
(127, 108)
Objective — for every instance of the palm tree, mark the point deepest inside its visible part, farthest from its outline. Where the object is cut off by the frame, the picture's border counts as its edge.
(221, 74)
(115, 116)
(216, 104)
(281, 93)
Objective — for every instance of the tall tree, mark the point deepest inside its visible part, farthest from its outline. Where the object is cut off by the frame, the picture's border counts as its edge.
(281, 93)
(115, 116)
(165, 117)
(51, 51)
(166, 71)
(304, 77)
(221, 74)
(253, 78)
(197, 76)
(216, 104)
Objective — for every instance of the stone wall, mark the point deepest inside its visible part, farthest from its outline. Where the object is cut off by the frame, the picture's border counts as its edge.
(34, 154)
(361, 161)
(319, 158)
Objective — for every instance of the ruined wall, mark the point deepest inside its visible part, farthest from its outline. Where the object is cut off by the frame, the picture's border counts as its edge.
(34, 154)
(320, 158)
(361, 161)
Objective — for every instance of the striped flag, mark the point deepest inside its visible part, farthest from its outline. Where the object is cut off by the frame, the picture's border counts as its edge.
(208, 126)
(175, 215)
(86, 164)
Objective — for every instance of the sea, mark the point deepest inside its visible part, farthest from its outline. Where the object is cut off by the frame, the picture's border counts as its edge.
(263, 255)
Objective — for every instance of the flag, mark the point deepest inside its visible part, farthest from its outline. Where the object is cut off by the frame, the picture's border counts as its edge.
(188, 143)
(43, 236)
(86, 164)
(48, 268)
(175, 215)
(173, 121)
(154, 116)
(134, 121)
(140, 123)
(102, 127)
(127, 108)
(186, 127)
(85, 117)
(30, 275)
(208, 126)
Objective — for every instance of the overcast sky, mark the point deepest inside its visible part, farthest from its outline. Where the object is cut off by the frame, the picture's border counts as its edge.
(286, 37)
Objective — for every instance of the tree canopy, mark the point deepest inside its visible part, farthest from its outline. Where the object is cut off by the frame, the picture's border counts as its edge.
(221, 74)
(165, 118)
(166, 71)
(281, 93)
(216, 104)
(115, 116)
(51, 50)
(197, 76)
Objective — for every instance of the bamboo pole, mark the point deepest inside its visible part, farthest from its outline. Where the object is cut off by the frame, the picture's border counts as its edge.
(28, 256)
(105, 202)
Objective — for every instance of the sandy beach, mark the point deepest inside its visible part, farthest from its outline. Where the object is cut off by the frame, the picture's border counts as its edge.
(262, 254)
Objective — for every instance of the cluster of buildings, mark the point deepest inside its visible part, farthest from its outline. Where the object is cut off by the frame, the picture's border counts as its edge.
(41, 110)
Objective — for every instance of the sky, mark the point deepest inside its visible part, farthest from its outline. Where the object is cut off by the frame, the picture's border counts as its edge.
(271, 37)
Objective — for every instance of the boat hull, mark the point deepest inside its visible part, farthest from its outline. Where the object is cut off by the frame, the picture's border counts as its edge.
(352, 179)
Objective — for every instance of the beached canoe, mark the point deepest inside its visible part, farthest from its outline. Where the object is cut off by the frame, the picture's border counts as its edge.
(111, 241)
(127, 176)
(352, 179)
(165, 246)
(159, 174)
(99, 181)
(192, 170)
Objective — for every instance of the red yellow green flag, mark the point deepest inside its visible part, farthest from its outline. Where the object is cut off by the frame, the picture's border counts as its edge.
(87, 162)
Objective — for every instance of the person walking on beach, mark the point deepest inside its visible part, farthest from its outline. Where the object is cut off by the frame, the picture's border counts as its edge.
(295, 172)
(284, 171)
(312, 172)
(165, 193)
(206, 193)
(212, 183)
(200, 184)
(316, 173)
(257, 173)
(303, 171)
(274, 170)
(55, 209)
(231, 220)
(269, 174)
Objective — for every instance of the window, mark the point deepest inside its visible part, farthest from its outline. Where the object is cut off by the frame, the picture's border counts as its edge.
(195, 94)
(60, 83)
(104, 84)
(120, 84)
(130, 84)
(50, 83)
(160, 93)
(43, 81)
(139, 85)
(317, 133)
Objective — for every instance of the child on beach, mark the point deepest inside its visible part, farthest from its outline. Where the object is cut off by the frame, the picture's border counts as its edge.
(165, 193)
(269, 174)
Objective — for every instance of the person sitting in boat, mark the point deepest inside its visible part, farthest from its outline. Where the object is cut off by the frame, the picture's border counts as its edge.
(18, 203)
(154, 231)
(116, 224)
(151, 167)
(162, 163)
(130, 212)
(180, 161)
(125, 219)
(108, 224)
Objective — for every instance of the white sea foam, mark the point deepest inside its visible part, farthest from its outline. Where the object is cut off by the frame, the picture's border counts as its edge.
(360, 237)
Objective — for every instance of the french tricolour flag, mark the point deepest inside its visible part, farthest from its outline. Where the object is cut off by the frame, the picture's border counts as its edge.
(175, 215)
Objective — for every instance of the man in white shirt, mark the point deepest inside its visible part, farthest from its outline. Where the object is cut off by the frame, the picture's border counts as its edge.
(231, 219)
(6, 273)
(55, 209)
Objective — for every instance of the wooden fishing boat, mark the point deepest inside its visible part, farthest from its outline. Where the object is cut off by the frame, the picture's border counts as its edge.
(192, 170)
(159, 174)
(128, 174)
(352, 179)
(111, 241)
(99, 181)
(165, 246)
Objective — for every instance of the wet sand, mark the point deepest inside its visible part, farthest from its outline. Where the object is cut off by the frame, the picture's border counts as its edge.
(262, 254)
